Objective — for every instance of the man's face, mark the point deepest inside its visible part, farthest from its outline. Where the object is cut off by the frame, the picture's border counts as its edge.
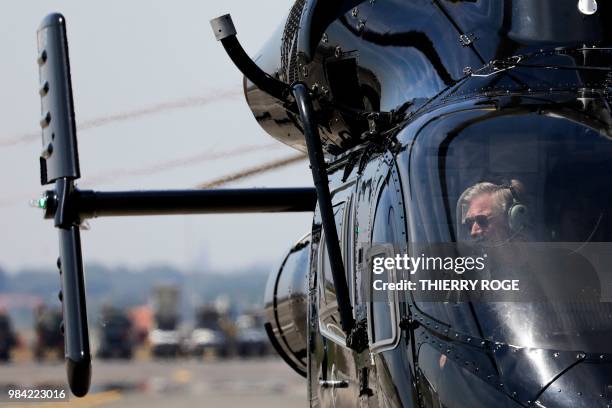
(486, 220)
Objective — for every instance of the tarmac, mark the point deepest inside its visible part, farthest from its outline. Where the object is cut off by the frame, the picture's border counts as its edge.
(209, 382)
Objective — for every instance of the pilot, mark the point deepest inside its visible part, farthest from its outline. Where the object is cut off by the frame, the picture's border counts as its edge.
(493, 217)
(493, 213)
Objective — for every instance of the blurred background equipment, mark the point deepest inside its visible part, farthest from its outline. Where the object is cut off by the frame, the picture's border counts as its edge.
(209, 334)
(116, 334)
(251, 339)
(49, 334)
(165, 338)
(8, 339)
(142, 323)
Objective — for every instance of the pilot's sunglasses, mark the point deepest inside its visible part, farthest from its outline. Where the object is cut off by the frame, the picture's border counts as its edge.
(481, 220)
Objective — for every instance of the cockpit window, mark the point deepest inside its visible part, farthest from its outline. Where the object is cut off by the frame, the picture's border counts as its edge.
(535, 193)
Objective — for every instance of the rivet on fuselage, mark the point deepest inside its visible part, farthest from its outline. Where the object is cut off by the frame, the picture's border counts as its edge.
(360, 26)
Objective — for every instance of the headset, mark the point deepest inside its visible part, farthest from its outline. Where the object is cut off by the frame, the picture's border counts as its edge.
(518, 213)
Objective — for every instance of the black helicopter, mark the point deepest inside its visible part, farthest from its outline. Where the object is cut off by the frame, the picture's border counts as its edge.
(418, 117)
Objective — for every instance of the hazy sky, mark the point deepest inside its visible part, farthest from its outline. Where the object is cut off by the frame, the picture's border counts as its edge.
(127, 56)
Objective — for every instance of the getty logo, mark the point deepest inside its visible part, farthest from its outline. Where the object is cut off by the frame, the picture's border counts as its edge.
(459, 265)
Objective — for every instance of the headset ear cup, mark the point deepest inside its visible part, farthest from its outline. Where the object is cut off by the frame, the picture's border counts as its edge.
(518, 217)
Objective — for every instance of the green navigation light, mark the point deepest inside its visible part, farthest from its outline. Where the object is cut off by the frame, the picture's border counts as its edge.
(39, 203)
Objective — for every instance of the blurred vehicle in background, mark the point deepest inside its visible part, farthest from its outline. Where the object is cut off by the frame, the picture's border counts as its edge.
(209, 334)
(116, 335)
(165, 338)
(49, 333)
(142, 323)
(8, 339)
(251, 338)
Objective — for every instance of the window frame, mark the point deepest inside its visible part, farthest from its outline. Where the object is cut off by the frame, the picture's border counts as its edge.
(390, 343)
(347, 251)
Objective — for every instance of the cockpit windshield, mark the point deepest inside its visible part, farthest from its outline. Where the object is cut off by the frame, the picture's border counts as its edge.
(533, 194)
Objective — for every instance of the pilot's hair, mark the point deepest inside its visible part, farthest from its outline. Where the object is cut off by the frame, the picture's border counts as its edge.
(503, 194)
